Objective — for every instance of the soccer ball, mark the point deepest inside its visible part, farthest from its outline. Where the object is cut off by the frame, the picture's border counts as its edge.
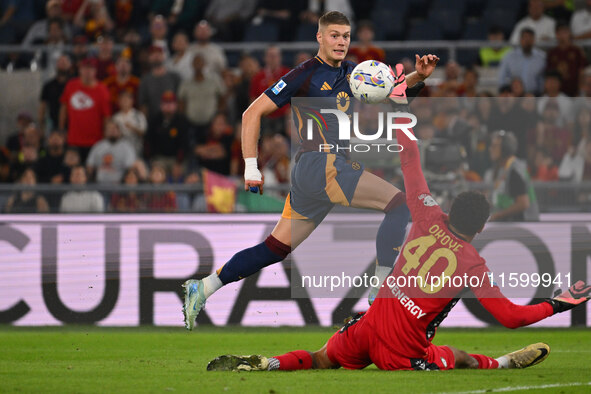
(371, 81)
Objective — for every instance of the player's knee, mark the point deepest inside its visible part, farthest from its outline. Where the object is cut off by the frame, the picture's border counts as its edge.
(320, 360)
(464, 360)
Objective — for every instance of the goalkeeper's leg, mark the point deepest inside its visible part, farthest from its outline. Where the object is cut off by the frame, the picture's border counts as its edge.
(522, 358)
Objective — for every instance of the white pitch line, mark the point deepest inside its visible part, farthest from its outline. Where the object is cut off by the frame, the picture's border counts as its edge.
(521, 388)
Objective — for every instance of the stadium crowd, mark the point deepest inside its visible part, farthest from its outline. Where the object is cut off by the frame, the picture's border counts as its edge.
(141, 93)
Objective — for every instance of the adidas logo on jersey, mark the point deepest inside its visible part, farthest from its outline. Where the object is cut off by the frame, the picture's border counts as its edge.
(325, 86)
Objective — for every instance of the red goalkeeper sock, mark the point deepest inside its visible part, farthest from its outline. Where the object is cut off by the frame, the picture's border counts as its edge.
(299, 359)
(485, 362)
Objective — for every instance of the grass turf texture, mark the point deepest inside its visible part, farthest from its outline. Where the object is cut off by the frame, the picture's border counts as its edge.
(91, 359)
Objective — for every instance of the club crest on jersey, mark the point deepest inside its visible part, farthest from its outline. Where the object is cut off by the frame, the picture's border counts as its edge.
(428, 201)
(278, 87)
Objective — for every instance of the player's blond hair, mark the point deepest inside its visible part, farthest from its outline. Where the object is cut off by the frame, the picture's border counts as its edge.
(333, 18)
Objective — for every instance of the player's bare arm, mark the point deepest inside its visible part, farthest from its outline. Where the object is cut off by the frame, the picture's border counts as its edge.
(251, 127)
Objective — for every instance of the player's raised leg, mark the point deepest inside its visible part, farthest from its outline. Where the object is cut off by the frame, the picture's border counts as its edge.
(274, 249)
(373, 192)
(522, 358)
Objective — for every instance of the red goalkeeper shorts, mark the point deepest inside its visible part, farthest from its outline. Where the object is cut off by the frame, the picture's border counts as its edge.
(355, 346)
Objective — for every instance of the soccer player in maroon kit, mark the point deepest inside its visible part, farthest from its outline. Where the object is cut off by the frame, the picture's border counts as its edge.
(396, 332)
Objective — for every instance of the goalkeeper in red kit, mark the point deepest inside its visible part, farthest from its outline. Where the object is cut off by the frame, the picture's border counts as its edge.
(396, 332)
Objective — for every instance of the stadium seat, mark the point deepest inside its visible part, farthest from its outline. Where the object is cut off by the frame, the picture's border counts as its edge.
(514, 5)
(475, 30)
(503, 18)
(475, 7)
(265, 32)
(467, 57)
(456, 5)
(424, 31)
(389, 24)
(449, 20)
(418, 8)
(306, 32)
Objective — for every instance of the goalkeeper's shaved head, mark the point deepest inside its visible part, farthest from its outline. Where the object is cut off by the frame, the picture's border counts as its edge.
(469, 212)
(333, 18)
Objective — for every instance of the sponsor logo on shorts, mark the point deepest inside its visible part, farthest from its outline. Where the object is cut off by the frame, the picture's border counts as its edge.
(278, 87)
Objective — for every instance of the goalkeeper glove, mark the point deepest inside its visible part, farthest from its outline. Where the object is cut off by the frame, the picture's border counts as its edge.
(401, 94)
(577, 294)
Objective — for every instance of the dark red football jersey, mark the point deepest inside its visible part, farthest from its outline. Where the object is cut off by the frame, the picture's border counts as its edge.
(413, 300)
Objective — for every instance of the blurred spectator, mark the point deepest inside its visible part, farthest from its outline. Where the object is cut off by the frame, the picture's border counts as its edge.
(79, 51)
(552, 84)
(51, 168)
(580, 22)
(274, 159)
(492, 55)
(508, 115)
(229, 99)
(17, 17)
(469, 84)
(543, 26)
(567, 59)
(576, 164)
(159, 34)
(544, 168)
(93, 18)
(14, 143)
(451, 82)
(213, 151)
(181, 60)
(526, 63)
(71, 158)
(154, 84)
(278, 13)
(269, 75)
(559, 9)
(105, 63)
(127, 14)
(213, 54)
(110, 157)
(49, 104)
(301, 57)
(160, 201)
(132, 122)
(122, 81)
(364, 49)
(582, 125)
(27, 158)
(195, 201)
(54, 46)
(229, 17)
(27, 201)
(517, 88)
(199, 97)
(131, 201)
(167, 139)
(185, 13)
(80, 200)
(549, 134)
(38, 31)
(248, 66)
(85, 107)
(70, 8)
(513, 197)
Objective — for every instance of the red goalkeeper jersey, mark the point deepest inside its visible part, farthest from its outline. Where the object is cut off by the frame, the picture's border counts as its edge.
(433, 268)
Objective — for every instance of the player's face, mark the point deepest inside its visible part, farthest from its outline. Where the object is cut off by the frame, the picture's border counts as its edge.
(334, 43)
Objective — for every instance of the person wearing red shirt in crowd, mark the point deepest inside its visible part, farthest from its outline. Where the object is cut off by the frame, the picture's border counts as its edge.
(397, 331)
(270, 74)
(70, 8)
(364, 49)
(568, 59)
(122, 81)
(85, 107)
(105, 66)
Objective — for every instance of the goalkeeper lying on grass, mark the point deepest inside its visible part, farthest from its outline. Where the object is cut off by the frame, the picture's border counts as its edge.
(396, 332)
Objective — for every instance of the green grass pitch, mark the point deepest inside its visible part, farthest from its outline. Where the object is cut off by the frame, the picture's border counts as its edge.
(161, 360)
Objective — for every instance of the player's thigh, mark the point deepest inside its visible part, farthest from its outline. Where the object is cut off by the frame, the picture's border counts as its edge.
(321, 360)
(373, 192)
(292, 232)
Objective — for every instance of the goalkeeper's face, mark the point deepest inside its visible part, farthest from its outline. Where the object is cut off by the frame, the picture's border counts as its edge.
(334, 43)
